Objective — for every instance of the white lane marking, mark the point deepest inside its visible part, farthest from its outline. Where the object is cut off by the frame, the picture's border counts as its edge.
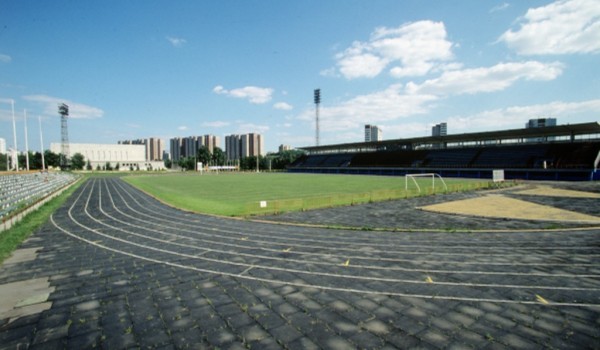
(294, 270)
(237, 253)
(485, 246)
(306, 285)
(245, 239)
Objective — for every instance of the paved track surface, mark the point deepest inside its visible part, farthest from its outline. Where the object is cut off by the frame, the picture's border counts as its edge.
(128, 272)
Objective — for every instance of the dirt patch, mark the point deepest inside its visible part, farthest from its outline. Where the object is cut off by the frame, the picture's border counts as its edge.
(499, 206)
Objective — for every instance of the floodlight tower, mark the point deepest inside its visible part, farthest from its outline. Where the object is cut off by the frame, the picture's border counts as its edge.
(317, 103)
(63, 110)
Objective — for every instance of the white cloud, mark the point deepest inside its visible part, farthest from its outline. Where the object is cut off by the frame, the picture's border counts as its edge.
(283, 106)
(216, 124)
(397, 102)
(176, 42)
(500, 7)
(413, 49)
(5, 58)
(362, 65)
(380, 107)
(182, 128)
(76, 110)
(488, 79)
(562, 27)
(517, 116)
(245, 128)
(253, 94)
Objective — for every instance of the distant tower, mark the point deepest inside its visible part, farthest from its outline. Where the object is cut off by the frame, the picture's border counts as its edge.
(373, 133)
(317, 103)
(63, 110)
(440, 129)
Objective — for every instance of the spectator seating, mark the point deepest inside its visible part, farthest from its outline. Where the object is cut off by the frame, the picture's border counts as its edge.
(566, 155)
(450, 158)
(19, 190)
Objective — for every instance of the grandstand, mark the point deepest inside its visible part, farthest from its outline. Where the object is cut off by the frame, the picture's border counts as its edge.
(562, 152)
(19, 191)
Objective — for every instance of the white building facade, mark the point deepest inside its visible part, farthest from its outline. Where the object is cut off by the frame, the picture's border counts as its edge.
(126, 157)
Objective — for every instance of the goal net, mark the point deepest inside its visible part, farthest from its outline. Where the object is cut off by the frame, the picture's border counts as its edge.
(429, 176)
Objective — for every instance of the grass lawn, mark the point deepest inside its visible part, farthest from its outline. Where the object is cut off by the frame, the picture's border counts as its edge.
(240, 194)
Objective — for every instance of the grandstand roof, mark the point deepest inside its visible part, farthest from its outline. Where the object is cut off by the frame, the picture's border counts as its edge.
(567, 131)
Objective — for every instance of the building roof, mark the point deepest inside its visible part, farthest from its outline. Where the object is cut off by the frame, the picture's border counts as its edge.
(519, 135)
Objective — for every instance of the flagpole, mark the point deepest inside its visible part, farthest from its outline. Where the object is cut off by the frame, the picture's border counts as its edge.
(26, 143)
(42, 143)
(12, 104)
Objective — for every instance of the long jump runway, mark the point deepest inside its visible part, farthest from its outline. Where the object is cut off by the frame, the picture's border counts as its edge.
(128, 271)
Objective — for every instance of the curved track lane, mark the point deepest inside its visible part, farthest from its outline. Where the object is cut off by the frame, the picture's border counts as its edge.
(515, 268)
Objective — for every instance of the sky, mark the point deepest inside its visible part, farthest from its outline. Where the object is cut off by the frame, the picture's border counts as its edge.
(156, 68)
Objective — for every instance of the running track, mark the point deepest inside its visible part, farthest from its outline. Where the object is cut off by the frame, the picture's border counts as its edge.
(132, 272)
(499, 268)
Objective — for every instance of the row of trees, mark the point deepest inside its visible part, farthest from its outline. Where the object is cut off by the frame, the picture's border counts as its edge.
(35, 160)
(276, 161)
(51, 159)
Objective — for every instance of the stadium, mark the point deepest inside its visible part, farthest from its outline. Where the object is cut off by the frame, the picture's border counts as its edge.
(111, 265)
(562, 153)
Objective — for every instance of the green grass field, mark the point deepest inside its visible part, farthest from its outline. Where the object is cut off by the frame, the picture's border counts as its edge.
(241, 194)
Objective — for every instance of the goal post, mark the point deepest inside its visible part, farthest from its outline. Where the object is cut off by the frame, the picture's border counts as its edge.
(431, 175)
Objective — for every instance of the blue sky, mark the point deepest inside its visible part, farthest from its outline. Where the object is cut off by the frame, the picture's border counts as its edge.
(138, 69)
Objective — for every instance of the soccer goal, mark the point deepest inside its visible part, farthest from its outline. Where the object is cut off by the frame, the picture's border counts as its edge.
(428, 175)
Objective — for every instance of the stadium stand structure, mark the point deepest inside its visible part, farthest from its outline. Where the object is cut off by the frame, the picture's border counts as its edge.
(21, 190)
(562, 152)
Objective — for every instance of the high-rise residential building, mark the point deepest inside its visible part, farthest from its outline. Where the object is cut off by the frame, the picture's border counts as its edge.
(246, 145)
(188, 146)
(175, 147)
(209, 141)
(154, 147)
(540, 123)
(283, 148)
(373, 133)
(233, 146)
(440, 129)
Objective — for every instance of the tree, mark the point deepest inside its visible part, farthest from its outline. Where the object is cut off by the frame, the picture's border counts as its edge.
(204, 155)
(35, 160)
(168, 163)
(52, 159)
(218, 156)
(285, 158)
(187, 163)
(3, 158)
(77, 161)
(88, 165)
(108, 167)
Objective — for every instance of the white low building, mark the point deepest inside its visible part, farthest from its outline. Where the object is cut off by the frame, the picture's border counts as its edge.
(125, 156)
